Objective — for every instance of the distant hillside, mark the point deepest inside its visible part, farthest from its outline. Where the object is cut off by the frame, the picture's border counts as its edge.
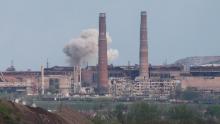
(12, 113)
(198, 60)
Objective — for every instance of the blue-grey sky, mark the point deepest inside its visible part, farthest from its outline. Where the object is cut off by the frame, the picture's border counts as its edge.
(33, 30)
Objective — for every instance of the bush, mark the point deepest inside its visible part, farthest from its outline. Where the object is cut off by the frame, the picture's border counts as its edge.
(142, 113)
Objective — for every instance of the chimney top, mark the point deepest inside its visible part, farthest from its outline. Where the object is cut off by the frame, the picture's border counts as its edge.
(101, 14)
(143, 13)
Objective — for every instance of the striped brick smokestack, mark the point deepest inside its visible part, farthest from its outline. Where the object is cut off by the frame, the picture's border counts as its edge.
(143, 65)
(102, 55)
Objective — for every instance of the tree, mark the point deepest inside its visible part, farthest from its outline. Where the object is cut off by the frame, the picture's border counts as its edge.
(213, 111)
(190, 94)
(184, 115)
(142, 113)
(120, 112)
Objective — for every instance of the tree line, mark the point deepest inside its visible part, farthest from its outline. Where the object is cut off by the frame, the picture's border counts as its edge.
(145, 113)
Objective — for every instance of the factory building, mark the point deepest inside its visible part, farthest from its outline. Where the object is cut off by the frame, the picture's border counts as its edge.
(53, 80)
(163, 90)
(203, 78)
(23, 82)
(205, 70)
(62, 80)
(152, 90)
(121, 87)
(165, 72)
(76, 80)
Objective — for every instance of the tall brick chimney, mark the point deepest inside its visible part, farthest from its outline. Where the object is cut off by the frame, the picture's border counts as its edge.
(102, 56)
(143, 65)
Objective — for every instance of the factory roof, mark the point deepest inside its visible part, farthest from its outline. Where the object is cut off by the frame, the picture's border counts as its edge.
(59, 68)
(205, 68)
(166, 68)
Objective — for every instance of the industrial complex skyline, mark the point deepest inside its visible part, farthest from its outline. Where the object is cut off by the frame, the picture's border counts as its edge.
(111, 61)
(31, 32)
(145, 81)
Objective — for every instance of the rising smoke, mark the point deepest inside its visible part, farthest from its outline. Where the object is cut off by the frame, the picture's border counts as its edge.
(84, 48)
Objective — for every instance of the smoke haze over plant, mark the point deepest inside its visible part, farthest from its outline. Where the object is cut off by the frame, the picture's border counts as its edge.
(84, 48)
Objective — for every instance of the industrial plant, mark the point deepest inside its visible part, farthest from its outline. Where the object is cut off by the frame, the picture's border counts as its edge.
(145, 81)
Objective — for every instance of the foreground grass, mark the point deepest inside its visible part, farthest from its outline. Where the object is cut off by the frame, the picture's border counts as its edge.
(144, 113)
(7, 115)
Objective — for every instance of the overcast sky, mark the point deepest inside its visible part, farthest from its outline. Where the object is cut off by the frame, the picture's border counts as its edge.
(33, 30)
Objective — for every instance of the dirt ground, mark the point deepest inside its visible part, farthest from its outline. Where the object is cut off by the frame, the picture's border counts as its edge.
(13, 113)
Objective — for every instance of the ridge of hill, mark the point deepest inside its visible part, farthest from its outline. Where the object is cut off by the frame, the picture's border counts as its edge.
(13, 113)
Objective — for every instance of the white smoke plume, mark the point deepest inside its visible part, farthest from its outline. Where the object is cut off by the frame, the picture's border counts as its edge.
(84, 48)
(112, 54)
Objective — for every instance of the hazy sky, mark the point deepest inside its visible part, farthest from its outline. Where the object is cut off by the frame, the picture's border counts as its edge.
(33, 30)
